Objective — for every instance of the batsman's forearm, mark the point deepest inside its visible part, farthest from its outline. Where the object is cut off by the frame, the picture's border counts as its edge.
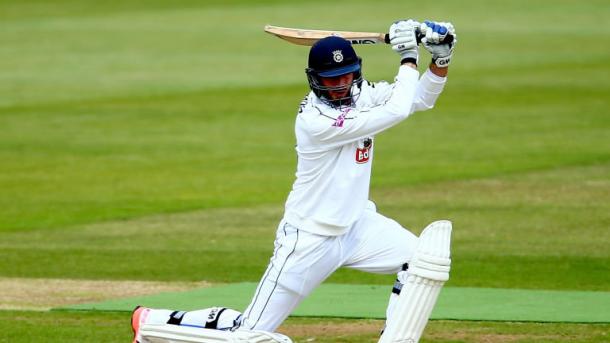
(436, 70)
(410, 64)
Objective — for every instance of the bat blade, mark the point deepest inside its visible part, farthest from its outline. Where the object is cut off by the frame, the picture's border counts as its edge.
(309, 37)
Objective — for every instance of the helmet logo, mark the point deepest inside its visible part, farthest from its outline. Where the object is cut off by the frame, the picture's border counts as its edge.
(338, 56)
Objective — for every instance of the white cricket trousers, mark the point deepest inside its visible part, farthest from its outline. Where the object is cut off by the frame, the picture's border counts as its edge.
(302, 260)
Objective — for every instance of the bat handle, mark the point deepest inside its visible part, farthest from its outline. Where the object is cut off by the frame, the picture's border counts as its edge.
(448, 39)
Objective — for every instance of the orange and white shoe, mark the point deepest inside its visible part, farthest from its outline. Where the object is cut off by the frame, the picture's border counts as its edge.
(138, 317)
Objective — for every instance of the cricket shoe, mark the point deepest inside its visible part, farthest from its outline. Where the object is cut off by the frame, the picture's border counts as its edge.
(138, 317)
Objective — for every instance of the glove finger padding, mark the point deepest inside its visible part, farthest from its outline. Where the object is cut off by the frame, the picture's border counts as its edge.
(432, 33)
(435, 33)
(403, 38)
(449, 26)
(433, 37)
(403, 26)
(407, 41)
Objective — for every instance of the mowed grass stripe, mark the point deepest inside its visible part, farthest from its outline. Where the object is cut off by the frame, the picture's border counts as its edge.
(69, 327)
(540, 230)
(101, 161)
(44, 294)
(369, 301)
(159, 50)
(21, 11)
(526, 93)
(130, 113)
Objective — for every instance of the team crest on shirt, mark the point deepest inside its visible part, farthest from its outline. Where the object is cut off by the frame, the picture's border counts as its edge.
(363, 154)
(338, 56)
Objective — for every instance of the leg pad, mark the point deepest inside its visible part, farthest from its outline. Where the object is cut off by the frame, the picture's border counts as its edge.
(167, 333)
(422, 283)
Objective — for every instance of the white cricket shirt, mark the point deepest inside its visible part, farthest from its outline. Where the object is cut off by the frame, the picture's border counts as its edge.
(335, 149)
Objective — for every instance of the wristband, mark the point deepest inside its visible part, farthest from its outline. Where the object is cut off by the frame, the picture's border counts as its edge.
(408, 60)
(442, 62)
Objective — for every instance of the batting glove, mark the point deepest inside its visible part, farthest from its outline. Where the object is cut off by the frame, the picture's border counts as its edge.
(433, 35)
(404, 40)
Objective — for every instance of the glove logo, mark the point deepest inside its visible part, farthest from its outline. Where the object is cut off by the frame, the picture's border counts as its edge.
(338, 56)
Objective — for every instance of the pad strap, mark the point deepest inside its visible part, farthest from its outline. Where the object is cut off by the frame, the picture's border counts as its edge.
(397, 284)
(176, 317)
(213, 323)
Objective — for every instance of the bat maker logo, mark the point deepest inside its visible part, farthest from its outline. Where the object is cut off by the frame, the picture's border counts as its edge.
(362, 41)
(363, 154)
(213, 313)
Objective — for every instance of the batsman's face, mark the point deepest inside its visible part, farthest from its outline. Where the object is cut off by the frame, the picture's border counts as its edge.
(339, 85)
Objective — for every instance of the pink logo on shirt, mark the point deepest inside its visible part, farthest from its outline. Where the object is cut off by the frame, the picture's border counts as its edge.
(341, 118)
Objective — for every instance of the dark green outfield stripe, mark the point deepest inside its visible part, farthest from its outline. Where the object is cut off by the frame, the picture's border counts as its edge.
(19, 11)
(369, 301)
(215, 265)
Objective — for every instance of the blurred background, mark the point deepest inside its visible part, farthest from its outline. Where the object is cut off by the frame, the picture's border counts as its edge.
(154, 140)
(148, 146)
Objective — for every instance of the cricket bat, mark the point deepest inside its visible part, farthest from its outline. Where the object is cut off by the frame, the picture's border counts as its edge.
(309, 37)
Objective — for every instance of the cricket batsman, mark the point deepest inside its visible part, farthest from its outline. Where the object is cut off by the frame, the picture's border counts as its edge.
(329, 221)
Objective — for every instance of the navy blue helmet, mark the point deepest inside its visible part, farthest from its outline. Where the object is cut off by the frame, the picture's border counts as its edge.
(332, 57)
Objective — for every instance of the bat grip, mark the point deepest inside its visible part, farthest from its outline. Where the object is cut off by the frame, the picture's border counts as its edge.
(448, 39)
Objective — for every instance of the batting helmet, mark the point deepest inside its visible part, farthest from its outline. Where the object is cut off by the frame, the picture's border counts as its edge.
(331, 57)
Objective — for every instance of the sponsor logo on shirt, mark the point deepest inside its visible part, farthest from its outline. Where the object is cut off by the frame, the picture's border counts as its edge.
(363, 154)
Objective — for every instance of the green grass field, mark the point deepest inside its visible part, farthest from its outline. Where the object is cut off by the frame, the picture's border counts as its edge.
(155, 142)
